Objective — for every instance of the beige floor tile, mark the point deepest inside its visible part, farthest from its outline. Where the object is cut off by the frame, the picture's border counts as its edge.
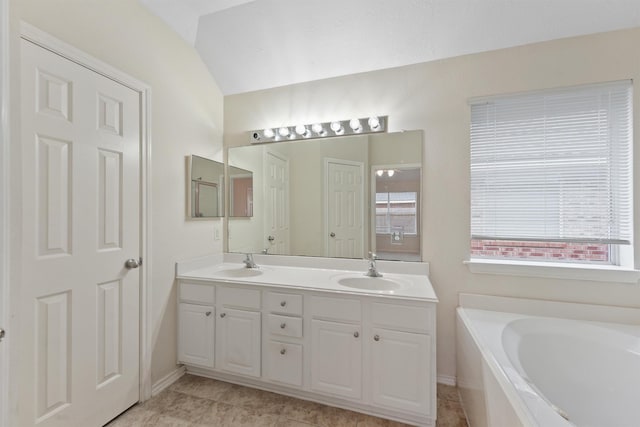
(136, 416)
(285, 422)
(302, 410)
(450, 414)
(447, 392)
(369, 421)
(244, 417)
(185, 407)
(161, 420)
(205, 388)
(217, 414)
(336, 417)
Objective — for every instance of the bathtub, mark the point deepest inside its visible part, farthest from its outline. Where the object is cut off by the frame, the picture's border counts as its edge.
(529, 369)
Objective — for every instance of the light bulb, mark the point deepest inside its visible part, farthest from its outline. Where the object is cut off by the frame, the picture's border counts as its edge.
(301, 130)
(379, 172)
(374, 122)
(336, 126)
(390, 172)
(317, 128)
(268, 133)
(284, 132)
(354, 124)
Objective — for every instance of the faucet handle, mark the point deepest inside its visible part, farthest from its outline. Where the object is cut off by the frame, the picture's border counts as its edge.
(373, 256)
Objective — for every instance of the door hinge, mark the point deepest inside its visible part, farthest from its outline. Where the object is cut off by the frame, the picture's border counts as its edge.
(1, 334)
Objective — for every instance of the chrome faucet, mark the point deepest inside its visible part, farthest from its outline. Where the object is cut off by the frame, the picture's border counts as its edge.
(249, 262)
(373, 270)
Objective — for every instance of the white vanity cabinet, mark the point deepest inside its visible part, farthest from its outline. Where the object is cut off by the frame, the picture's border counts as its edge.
(196, 315)
(401, 352)
(238, 331)
(369, 353)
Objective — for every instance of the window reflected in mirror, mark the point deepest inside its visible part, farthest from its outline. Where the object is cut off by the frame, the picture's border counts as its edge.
(206, 192)
(240, 192)
(397, 216)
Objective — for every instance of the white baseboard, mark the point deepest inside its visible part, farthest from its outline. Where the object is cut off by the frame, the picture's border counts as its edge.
(167, 380)
(447, 380)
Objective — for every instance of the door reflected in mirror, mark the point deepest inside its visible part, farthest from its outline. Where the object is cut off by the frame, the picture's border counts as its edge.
(319, 197)
(240, 192)
(206, 188)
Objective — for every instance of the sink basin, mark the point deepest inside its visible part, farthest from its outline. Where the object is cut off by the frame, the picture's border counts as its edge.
(239, 272)
(371, 283)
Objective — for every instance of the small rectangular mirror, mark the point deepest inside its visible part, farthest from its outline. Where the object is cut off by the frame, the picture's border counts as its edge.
(206, 188)
(240, 192)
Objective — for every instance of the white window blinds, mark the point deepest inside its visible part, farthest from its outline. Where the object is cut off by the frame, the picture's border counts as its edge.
(553, 165)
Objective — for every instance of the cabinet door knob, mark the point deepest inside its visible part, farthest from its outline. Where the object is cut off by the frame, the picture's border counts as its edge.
(283, 325)
(283, 303)
(356, 334)
(208, 313)
(376, 337)
(283, 351)
(223, 314)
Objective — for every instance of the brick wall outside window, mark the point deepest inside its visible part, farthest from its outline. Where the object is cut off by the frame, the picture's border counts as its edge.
(541, 251)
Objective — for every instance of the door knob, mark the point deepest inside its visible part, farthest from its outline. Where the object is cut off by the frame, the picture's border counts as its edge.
(132, 263)
(332, 234)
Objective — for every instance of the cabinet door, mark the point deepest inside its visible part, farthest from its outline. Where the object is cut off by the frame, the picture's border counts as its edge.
(195, 345)
(336, 358)
(238, 342)
(399, 370)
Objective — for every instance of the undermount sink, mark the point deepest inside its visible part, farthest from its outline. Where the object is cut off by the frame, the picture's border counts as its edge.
(239, 272)
(371, 283)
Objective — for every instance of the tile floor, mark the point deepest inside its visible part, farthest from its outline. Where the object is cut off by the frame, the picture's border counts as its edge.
(197, 402)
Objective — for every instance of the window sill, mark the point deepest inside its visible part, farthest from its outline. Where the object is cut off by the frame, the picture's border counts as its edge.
(598, 273)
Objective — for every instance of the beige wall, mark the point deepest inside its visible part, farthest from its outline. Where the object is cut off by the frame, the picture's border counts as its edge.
(433, 97)
(186, 115)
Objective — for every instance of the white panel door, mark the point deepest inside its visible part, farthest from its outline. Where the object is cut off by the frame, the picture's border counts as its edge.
(238, 342)
(343, 210)
(195, 335)
(336, 358)
(79, 311)
(400, 370)
(276, 189)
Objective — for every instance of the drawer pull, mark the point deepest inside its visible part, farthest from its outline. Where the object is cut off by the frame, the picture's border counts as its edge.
(208, 313)
(283, 325)
(283, 303)
(356, 334)
(223, 314)
(376, 337)
(283, 351)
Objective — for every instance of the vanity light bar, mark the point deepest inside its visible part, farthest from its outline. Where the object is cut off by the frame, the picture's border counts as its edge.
(373, 124)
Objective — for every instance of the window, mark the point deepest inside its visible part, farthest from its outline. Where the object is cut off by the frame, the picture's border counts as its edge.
(551, 174)
(396, 211)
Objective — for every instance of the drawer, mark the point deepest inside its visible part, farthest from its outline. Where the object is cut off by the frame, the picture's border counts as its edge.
(284, 325)
(348, 310)
(284, 363)
(404, 317)
(197, 293)
(276, 302)
(239, 297)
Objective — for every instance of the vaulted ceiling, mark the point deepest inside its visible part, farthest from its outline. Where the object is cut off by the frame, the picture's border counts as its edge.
(257, 44)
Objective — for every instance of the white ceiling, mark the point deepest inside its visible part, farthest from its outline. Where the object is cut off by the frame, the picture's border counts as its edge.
(257, 44)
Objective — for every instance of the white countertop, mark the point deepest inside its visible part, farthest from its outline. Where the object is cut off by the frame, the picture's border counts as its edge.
(229, 269)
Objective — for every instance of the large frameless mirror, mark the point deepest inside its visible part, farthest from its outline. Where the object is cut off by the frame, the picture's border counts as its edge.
(324, 197)
(206, 188)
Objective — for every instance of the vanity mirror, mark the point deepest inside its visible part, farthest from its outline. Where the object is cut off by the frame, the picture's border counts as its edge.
(206, 188)
(326, 197)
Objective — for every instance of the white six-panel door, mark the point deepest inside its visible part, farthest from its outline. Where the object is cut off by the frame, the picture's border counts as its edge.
(344, 208)
(276, 203)
(79, 311)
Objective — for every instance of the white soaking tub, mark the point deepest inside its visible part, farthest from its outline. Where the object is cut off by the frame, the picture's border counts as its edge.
(522, 369)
